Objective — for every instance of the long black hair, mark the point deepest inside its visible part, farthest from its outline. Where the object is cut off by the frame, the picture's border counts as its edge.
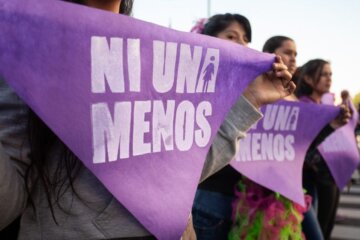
(312, 69)
(220, 22)
(42, 139)
(274, 43)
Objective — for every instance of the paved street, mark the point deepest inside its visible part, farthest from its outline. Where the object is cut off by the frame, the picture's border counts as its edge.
(348, 224)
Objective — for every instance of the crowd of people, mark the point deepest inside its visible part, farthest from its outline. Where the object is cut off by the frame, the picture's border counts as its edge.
(44, 186)
(212, 208)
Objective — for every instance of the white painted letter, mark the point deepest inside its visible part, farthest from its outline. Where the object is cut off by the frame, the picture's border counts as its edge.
(202, 135)
(184, 125)
(267, 146)
(256, 147)
(289, 147)
(140, 128)
(109, 133)
(279, 150)
(107, 65)
(163, 125)
(282, 118)
(270, 116)
(164, 66)
(188, 69)
(134, 64)
(245, 149)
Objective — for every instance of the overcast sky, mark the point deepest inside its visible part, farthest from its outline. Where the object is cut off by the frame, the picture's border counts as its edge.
(328, 29)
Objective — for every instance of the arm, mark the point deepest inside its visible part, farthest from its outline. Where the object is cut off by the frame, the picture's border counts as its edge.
(226, 143)
(325, 132)
(189, 233)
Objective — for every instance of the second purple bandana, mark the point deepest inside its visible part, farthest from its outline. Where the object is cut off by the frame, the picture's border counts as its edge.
(273, 152)
(340, 151)
(139, 104)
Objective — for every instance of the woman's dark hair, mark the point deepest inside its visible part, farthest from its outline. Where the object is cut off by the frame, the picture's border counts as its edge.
(296, 76)
(125, 7)
(220, 22)
(312, 69)
(42, 139)
(274, 43)
(55, 184)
